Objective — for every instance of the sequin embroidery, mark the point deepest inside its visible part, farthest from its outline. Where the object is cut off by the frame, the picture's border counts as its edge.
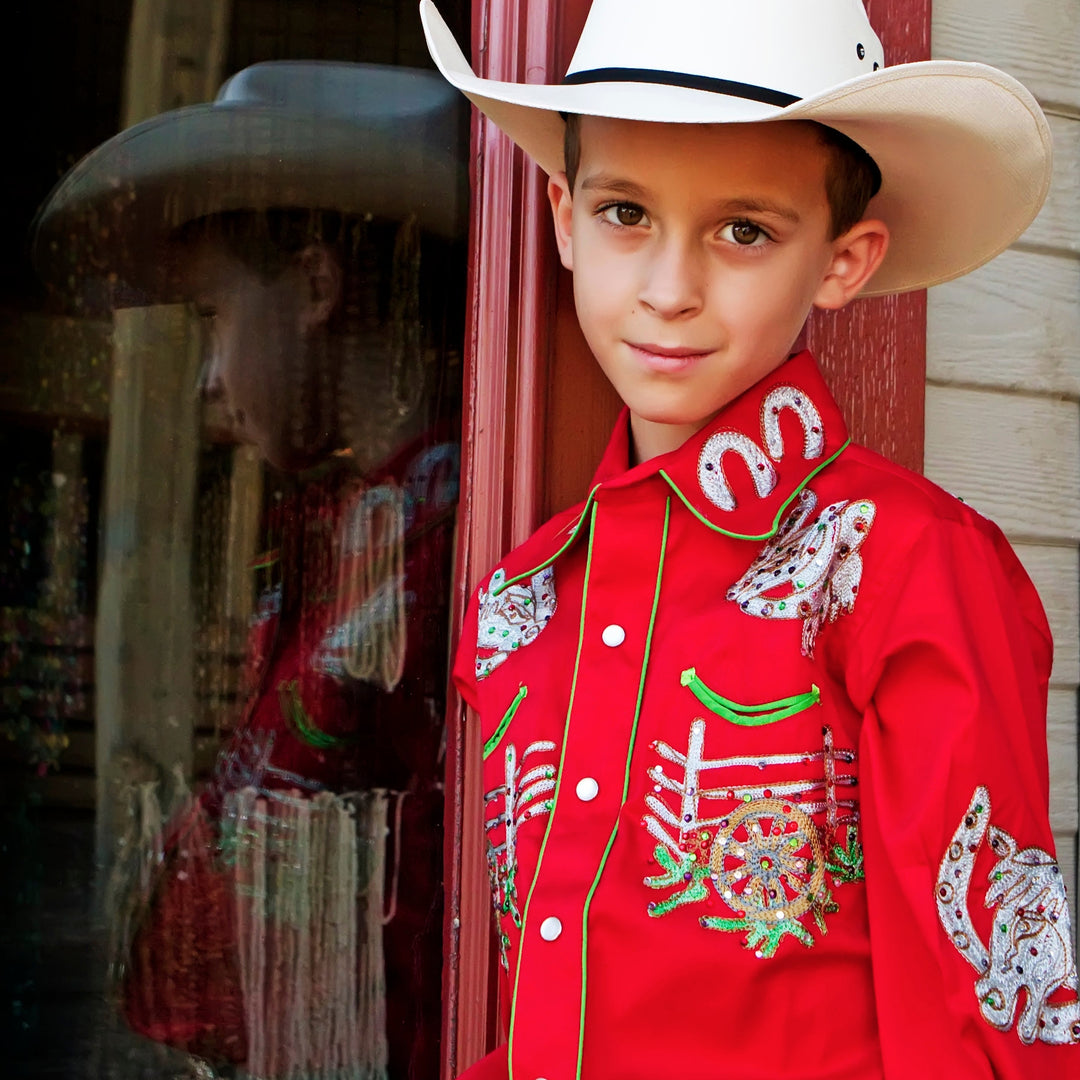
(525, 794)
(790, 397)
(1030, 947)
(512, 617)
(711, 476)
(811, 569)
(762, 848)
(711, 467)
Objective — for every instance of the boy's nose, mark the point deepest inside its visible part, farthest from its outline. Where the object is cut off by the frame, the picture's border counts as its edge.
(209, 387)
(674, 282)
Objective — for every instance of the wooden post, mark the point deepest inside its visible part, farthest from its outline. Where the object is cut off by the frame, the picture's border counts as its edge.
(175, 55)
(144, 642)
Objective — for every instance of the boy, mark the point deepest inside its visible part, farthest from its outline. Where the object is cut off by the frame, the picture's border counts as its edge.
(764, 718)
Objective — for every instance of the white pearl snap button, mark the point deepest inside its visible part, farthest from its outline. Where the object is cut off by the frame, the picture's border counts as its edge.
(550, 928)
(587, 789)
(613, 635)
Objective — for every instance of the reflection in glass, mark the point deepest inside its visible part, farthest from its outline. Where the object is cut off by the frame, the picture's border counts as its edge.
(272, 618)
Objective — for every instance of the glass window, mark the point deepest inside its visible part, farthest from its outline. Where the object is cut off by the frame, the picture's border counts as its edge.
(230, 411)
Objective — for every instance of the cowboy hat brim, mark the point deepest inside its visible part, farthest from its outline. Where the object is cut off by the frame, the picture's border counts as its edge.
(964, 149)
(109, 219)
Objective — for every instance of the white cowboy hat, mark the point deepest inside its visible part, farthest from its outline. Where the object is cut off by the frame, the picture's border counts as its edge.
(352, 138)
(963, 149)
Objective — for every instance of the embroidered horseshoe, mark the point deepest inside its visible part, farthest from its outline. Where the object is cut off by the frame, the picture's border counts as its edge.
(711, 470)
(711, 476)
(790, 397)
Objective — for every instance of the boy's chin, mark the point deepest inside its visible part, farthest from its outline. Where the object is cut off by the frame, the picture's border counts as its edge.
(684, 415)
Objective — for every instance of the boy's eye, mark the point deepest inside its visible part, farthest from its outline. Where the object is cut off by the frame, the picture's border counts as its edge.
(623, 214)
(744, 233)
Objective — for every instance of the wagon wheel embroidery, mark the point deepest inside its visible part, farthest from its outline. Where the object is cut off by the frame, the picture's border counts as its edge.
(760, 850)
(770, 868)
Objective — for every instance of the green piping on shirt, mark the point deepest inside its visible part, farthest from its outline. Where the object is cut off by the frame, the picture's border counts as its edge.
(555, 796)
(779, 513)
(292, 709)
(749, 715)
(504, 723)
(573, 536)
(625, 791)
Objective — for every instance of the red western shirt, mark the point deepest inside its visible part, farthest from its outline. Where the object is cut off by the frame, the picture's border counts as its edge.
(765, 771)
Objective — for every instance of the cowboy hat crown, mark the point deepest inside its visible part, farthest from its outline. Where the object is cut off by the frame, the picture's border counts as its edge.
(771, 51)
(321, 135)
(963, 149)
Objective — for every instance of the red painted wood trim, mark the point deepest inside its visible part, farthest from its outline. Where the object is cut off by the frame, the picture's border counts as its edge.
(874, 351)
(508, 334)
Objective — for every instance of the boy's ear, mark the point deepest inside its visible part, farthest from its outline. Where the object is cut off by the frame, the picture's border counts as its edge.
(856, 255)
(321, 281)
(562, 208)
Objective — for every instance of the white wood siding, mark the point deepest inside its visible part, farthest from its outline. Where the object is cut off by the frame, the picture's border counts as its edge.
(1003, 363)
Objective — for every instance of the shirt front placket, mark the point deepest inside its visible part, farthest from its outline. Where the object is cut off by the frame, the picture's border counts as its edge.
(627, 538)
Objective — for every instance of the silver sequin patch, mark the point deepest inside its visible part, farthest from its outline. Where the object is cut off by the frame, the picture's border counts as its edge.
(810, 569)
(512, 617)
(790, 397)
(1031, 944)
(711, 469)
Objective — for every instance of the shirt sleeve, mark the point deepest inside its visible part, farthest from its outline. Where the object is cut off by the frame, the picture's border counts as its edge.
(495, 1066)
(973, 954)
(465, 659)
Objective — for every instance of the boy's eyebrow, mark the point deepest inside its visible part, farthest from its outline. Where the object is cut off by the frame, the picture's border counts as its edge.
(760, 206)
(616, 185)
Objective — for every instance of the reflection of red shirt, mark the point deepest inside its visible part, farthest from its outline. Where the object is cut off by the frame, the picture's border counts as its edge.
(294, 658)
(746, 716)
(182, 984)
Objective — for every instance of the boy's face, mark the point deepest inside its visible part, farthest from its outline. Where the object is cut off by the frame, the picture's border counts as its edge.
(258, 361)
(698, 252)
(254, 345)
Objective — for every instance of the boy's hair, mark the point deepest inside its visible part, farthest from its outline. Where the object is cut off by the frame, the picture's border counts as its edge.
(852, 178)
(267, 242)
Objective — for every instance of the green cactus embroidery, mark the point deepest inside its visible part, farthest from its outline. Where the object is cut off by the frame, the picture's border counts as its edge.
(686, 873)
(845, 864)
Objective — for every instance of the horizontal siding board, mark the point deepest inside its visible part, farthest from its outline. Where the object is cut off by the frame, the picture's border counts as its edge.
(1066, 856)
(1064, 810)
(1013, 324)
(1015, 458)
(1061, 743)
(1038, 41)
(1058, 224)
(1056, 574)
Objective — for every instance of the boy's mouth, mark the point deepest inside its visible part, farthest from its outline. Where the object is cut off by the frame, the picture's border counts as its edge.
(665, 358)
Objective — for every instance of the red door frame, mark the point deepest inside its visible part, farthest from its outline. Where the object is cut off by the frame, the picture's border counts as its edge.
(536, 415)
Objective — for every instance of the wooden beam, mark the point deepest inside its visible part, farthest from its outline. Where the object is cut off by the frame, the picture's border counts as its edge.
(144, 662)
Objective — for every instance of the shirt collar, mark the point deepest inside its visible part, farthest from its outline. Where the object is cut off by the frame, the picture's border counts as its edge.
(741, 471)
(739, 474)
